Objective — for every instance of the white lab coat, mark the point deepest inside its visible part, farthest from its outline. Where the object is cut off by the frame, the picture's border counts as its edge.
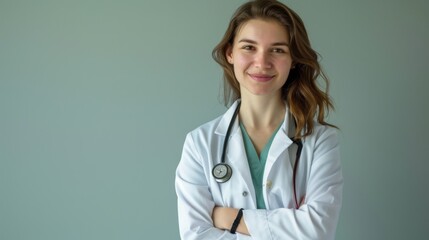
(319, 184)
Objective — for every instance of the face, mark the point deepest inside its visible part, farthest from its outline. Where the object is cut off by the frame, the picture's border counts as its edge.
(261, 58)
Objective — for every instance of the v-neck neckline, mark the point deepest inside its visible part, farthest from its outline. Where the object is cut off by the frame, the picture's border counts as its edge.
(252, 150)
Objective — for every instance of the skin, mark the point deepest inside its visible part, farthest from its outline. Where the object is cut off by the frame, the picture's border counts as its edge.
(262, 61)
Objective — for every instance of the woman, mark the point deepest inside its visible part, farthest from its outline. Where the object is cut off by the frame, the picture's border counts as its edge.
(269, 168)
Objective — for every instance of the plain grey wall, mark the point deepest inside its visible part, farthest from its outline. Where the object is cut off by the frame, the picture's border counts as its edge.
(96, 98)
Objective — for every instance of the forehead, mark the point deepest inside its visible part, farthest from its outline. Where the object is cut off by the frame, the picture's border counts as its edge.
(263, 31)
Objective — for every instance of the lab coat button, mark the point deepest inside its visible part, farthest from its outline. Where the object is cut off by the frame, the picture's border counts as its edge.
(269, 184)
(244, 194)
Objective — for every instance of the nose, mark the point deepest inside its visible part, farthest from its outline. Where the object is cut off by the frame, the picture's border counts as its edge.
(262, 60)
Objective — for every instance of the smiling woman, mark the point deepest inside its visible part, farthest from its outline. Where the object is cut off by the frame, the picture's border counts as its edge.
(265, 169)
(262, 61)
(260, 57)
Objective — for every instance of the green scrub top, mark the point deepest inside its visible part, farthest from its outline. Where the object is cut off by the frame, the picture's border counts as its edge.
(257, 163)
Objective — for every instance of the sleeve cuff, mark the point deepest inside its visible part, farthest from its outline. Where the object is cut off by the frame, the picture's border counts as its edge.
(257, 223)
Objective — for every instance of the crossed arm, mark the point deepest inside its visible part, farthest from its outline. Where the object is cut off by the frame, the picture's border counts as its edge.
(223, 217)
(316, 218)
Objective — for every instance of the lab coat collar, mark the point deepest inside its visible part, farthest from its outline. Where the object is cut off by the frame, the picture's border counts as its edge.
(286, 131)
(222, 127)
(281, 142)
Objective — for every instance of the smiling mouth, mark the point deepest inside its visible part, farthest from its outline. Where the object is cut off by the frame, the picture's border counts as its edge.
(261, 77)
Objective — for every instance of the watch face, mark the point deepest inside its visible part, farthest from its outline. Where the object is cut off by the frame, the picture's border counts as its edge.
(222, 172)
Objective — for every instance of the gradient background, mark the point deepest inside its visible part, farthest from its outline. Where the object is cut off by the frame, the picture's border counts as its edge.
(96, 98)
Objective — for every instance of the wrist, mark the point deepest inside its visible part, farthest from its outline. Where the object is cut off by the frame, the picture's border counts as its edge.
(229, 215)
(224, 217)
(236, 221)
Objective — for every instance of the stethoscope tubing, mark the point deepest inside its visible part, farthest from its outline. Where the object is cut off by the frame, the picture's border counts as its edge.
(295, 169)
(228, 132)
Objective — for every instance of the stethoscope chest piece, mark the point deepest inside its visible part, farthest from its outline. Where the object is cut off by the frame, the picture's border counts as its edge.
(222, 172)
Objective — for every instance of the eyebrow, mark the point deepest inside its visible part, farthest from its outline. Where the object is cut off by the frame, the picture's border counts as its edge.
(245, 40)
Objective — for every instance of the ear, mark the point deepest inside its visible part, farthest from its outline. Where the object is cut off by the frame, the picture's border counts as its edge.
(228, 54)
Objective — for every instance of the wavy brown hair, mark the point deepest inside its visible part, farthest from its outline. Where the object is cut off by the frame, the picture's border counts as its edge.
(306, 100)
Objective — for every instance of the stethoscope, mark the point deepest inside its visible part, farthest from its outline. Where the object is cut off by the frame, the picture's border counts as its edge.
(222, 172)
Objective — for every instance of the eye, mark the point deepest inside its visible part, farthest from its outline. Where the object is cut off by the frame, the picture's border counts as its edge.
(278, 50)
(248, 47)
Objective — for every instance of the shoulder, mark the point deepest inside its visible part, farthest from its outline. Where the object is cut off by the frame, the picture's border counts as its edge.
(320, 129)
(323, 142)
(201, 143)
(204, 132)
(323, 135)
(217, 126)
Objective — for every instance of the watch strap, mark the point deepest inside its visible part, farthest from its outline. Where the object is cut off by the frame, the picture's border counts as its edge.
(236, 221)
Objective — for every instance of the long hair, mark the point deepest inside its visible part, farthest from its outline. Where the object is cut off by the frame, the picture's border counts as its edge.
(306, 100)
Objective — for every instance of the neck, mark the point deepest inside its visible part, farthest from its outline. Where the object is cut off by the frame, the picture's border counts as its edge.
(262, 112)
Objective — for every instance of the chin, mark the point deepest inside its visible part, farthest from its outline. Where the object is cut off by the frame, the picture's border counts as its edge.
(263, 93)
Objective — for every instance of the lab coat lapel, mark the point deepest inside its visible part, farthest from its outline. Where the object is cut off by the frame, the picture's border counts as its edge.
(281, 143)
(222, 127)
(235, 154)
(237, 158)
